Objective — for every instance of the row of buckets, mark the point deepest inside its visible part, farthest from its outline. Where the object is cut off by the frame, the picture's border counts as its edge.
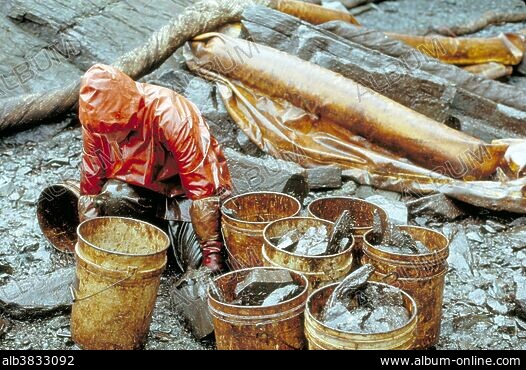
(120, 261)
(251, 221)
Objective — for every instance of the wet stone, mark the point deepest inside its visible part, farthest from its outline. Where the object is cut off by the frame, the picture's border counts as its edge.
(396, 210)
(326, 177)
(341, 234)
(436, 205)
(39, 295)
(262, 276)
(520, 296)
(335, 5)
(478, 297)
(496, 306)
(250, 174)
(189, 300)
(266, 294)
(397, 241)
(281, 295)
(474, 236)
(312, 243)
(516, 237)
(288, 241)
(352, 283)
(373, 309)
(460, 257)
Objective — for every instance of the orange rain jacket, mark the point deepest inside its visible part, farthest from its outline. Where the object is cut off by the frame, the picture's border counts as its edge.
(148, 136)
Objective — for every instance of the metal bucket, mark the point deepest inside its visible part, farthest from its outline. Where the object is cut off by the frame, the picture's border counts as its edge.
(57, 214)
(243, 219)
(422, 276)
(321, 336)
(319, 270)
(331, 208)
(277, 327)
(119, 265)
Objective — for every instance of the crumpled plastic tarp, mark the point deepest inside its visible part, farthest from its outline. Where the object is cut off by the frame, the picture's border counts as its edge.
(300, 112)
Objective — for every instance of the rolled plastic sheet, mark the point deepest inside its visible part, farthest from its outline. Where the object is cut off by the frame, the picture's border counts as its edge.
(313, 13)
(490, 70)
(347, 104)
(286, 108)
(507, 48)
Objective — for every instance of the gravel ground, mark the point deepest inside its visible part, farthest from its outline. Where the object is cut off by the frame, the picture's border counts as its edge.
(488, 251)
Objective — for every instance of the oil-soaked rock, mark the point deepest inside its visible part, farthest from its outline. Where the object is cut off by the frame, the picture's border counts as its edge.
(264, 276)
(250, 174)
(373, 309)
(189, 300)
(265, 288)
(313, 243)
(38, 296)
(520, 296)
(324, 177)
(516, 237)
(460, 257)
(339, 238)
(281, 295)
(436, 205)
(396, 210)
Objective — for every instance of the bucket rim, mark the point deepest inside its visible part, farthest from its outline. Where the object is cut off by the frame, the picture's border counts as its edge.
(322, 257)
(81, 238)
(354, 199)
(261, 223)
(253, 308)
(412, 318)
(71, 186)
(430, 254)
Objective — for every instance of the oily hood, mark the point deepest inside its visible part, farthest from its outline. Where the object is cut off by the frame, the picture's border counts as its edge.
(108, 100)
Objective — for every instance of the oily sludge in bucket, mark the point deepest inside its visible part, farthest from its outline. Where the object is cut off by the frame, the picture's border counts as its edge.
(362, 212)
(420, 275)
(320, 269)
(119, 266)
(259, 308)
(323, 337)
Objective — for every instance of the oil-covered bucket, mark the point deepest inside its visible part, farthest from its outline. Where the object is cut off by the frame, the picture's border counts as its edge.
(320, 336)
(119, 262)
(330, 208)
(319, 270)
(57, 214)
(420, 275)
(275, 327)
(243, 219)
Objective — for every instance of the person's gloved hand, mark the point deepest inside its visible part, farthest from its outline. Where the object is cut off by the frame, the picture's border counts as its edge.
(206, 220)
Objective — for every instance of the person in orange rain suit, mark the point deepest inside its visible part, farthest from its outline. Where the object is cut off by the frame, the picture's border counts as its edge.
(147, 149)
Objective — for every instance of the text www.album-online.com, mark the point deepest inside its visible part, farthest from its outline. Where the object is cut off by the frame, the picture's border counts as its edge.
(459, 361)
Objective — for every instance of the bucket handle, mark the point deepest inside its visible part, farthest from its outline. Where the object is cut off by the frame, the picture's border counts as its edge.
(74, 293)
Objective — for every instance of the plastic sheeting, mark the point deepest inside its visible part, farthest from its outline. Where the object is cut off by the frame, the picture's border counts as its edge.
(296, 122)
